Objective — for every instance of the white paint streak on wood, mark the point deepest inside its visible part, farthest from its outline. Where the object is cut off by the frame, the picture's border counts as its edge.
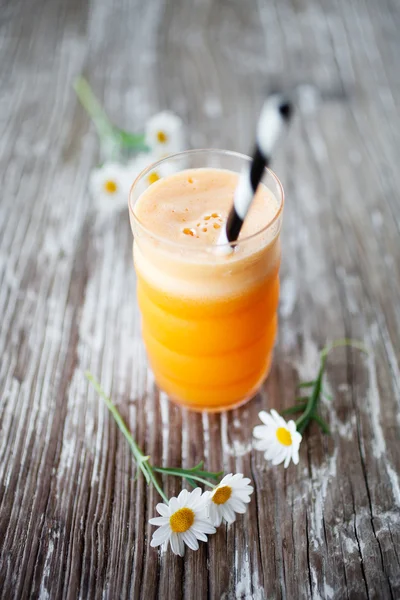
(288, 295)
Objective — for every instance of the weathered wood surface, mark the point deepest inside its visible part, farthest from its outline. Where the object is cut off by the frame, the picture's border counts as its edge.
(73, 520)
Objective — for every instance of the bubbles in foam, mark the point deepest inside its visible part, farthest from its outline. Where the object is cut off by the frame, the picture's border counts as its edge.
(213, 219)
(188, 231)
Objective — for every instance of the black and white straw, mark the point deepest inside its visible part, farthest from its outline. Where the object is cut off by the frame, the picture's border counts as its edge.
(275, 115)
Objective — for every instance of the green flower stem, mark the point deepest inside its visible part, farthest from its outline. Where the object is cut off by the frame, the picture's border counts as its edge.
(140, 458)
(191, 475)
(310, 408)
(303, 421)
(343, 343)
(104, 127)
(294, 409)
(155, 483)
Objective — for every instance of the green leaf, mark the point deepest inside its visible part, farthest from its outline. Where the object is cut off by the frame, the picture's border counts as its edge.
(194, 471)
(197, 467)
(184, 473)
(323, 424)
(133, 141)
(191, 482)
(306, 384)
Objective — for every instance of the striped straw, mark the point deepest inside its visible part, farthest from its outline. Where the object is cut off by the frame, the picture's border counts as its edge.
(275, 114)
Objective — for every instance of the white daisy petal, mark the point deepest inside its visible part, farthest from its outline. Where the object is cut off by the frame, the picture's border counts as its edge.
(260, 431)
(174, 541)
(247, 481)
(287, 460)
(225, 480)
(215, 515)
(297, 437)
(140, 163)
(162, 509)
(181, 546)
(173, 505)
(218, 517)
(295, 456)
(205, 526)
(243, 496)
(261, 444)
(237, 480)
(200, 501)
(229, 513)
(279, 456)
(282, 422)
(155, 169)
(161, 535)
(159, 520)
(271, 451)
(266, 418)
(183, 497)
(202, 514)
(237, 505)
(199, 534)
(195, 495)
(190, 540)
(276, 416)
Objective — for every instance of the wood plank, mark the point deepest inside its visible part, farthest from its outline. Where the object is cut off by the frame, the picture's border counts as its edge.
(73, 518)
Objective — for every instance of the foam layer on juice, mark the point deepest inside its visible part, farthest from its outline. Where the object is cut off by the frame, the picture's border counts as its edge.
(185, 212)
(191, 206)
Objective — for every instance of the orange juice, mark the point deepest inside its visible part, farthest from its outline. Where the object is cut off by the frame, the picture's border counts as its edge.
(208, 317)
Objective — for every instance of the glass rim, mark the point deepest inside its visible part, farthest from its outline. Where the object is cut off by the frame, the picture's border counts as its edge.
(207, 247)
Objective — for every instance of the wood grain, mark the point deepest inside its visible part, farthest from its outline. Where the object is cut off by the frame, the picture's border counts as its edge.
(73, 519)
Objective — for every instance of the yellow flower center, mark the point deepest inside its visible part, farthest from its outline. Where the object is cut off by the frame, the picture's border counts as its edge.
(153, 177)
(222, 494)
(283, 436)
(181, 520)
(110, 186)
(162, 137)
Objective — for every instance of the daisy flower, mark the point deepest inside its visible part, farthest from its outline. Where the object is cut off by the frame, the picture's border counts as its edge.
(229, 497)
(164, 134)
(183, 521)
(109, 186)
(142, 161)
(279, 440)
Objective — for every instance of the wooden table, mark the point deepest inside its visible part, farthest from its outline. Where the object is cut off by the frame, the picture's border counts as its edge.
(74, 521)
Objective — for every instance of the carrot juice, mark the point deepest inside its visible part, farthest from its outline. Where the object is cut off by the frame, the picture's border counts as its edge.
(209, 317)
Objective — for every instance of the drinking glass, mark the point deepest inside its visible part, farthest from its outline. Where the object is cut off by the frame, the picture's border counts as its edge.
(209, 317)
